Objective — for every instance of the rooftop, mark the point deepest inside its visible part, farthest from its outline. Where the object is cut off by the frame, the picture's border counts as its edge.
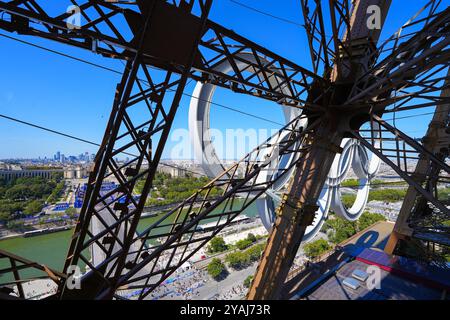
(392, 287)
(338, 275)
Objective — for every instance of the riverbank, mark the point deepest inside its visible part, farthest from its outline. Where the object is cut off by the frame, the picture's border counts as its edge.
(37, 232)
(51, 249)
(150, 212)
(43, 231)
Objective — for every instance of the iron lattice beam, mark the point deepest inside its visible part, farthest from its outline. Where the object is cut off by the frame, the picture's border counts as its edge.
(112, 30)
(408, 67)
(298, 208)
(18, 265)
(340, 13)
(418, 218)
(319, 45)
(108, 222)
(406, 76)
(156, 252)
(179, 232)
(398, 150)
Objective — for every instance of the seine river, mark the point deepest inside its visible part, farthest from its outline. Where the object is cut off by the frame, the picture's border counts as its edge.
(51, 249)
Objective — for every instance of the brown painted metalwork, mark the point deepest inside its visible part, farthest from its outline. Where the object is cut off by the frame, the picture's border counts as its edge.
(353, 85)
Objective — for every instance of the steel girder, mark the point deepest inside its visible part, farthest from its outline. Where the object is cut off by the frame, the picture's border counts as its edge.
(298, 206)
(178, 231)
(16, 266)
(156, 252)
(418, 62)
(319, 45)
(111, 30)
(412, 74)
(108, 222)
(418, 218)
(407, 68)
(398, 150)
(133, 261)
(103, 235)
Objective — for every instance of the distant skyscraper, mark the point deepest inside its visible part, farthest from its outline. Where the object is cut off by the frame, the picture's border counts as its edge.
(58, 156)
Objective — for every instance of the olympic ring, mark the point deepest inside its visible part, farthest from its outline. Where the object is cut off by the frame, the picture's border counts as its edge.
(364, 169)
(353, 155)
(266, 204)
(199, 116)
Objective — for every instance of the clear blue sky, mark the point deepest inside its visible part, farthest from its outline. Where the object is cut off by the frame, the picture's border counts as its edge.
(75, 98)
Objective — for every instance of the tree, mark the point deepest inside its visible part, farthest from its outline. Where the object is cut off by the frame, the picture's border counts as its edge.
(243, 244)
(350, 183)
(444, 194)
(18, 192)
(340, 229)
(34, 206)
(11, 207)
(15, 225)
(367, 219)
(217, 244)
(316, 248)
(348, 200)
(238, 259)
(251, 237)
(254, 253)
(248, 281)
(387, 195)
(216, 268)
(56, 193)
(4, 216)
(71, 212)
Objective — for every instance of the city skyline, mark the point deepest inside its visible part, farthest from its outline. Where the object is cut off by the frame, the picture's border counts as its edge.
(58, 156)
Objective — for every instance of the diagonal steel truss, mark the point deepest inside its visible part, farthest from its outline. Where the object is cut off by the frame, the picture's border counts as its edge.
(411, 69)
(319, 45)
(398, 150)
(116, 222)
(405, 72)
(178, 233)
(107, 25)
(16, 266)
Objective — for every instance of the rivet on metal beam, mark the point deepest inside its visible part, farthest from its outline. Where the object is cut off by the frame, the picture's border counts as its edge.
(129, 265)
(107, 240)
(122, 207)
(131, 172)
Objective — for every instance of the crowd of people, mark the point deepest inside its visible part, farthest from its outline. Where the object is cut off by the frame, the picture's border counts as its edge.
(186, 282)
(234, 293)
(38, 289)
(183, 285)
(186, 286)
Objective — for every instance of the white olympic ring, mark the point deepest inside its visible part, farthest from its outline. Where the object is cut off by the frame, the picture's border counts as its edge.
(353, 155)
